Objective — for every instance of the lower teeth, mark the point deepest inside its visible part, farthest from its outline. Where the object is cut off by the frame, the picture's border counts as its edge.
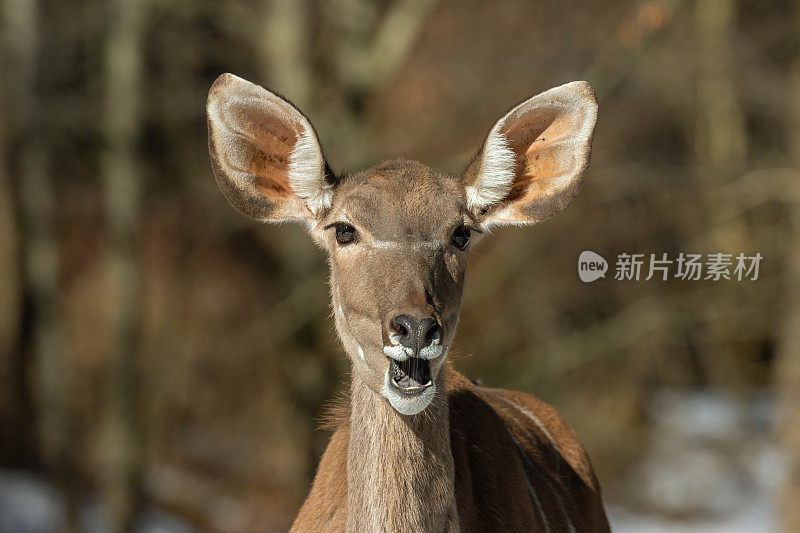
(415, 387)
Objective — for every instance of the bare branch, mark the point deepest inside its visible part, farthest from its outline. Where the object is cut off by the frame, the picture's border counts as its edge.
(395, 36)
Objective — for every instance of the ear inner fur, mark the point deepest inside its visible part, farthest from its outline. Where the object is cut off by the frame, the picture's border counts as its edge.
(533, 160)
(265, 153)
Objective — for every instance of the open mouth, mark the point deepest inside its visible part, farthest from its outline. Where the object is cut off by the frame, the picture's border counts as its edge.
(410, 377)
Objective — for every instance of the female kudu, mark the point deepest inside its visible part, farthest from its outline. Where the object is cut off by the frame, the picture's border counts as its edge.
(422, 448)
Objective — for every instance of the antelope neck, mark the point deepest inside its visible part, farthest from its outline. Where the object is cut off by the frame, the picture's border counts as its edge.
(400, 471)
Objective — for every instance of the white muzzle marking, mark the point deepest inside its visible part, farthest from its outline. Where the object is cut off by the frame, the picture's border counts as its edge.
(401, 353)
(398, 353)
(431, 352)
(407, 405)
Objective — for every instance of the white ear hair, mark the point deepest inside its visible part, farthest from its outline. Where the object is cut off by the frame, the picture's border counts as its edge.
(496, 173)
(307, 171)
(532, 162)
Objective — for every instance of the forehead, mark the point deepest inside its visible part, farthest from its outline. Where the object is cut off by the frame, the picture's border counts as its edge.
(400, 198)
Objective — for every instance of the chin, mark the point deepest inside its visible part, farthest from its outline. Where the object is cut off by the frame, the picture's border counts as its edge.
(408, 401)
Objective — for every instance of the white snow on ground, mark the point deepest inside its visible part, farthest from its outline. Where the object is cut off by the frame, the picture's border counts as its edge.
(711, 458)
(756, 518)
(29, 504)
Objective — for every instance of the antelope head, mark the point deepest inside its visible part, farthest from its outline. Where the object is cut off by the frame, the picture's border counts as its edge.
(398, 234)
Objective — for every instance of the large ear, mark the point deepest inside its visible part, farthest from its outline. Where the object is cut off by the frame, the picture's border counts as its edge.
(532, 162)
(265, 153)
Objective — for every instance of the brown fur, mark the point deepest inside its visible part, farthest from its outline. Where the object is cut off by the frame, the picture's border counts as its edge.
(456, 457)
(497, 451)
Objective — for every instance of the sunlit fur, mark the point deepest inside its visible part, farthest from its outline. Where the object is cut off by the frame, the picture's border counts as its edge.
(457, 457)
(306, 169)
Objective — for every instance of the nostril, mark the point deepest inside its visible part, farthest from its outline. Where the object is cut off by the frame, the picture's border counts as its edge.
(430, 331)
(404, 325)
(433, 334)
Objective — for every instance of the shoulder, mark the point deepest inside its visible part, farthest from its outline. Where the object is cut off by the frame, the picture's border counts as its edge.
(522, 437)
(536, 426)
(551, 427)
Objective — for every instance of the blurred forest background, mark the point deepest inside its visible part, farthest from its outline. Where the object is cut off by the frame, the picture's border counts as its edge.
(164, 361)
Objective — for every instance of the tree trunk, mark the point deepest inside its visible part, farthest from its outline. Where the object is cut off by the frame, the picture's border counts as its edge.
(42, 334)
(122, 189)
(721, 139)
(720, 146)
(787, 366)
(15, 404)
(284, 49)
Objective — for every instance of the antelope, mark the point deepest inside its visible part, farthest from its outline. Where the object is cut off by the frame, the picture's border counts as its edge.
(420, 447)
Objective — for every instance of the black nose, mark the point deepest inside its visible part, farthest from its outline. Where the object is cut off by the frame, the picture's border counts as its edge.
(416, 333)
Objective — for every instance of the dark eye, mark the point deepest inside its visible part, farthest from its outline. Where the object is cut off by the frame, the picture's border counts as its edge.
(345, 233)
(461, 237)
